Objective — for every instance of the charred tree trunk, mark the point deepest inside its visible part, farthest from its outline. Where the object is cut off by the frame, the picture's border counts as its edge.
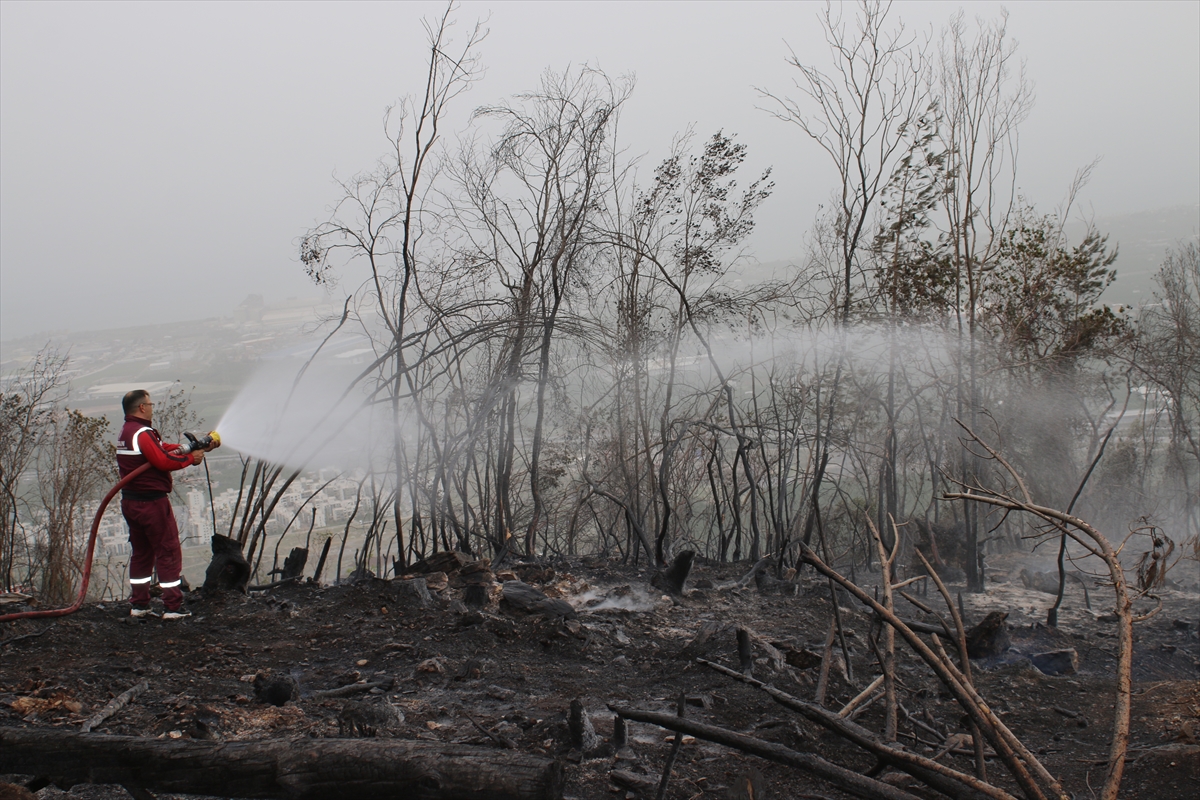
(298, 769)
(229, 570)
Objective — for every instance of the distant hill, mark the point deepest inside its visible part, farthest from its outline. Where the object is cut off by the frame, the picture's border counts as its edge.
(215, 355)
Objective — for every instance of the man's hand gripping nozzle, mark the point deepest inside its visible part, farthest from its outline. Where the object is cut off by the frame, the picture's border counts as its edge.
(210, 441)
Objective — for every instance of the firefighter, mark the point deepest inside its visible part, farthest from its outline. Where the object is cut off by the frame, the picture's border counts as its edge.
(153, 534)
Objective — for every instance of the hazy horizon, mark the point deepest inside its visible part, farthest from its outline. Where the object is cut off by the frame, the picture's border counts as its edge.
(158, 161)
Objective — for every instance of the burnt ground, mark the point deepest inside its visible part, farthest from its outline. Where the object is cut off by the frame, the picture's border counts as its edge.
(497, 678)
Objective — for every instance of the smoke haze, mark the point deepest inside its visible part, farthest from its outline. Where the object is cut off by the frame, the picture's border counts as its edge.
(160, 161)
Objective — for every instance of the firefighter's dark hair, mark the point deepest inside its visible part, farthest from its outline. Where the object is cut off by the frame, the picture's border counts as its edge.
(133, 399)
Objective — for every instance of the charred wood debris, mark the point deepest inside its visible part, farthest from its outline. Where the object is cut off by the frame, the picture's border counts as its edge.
(909, 755)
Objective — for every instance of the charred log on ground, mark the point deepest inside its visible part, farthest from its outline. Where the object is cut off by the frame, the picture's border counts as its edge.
(297, 769)
(523, 598)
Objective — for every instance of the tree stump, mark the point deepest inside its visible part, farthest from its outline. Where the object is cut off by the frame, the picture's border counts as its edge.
(583, 735)
(703, 642)
(275, 689)
(477, 583)
(990, 637)
(293, 565)
(673, 579)
(414, 591)
(228, 570)
(370, 719)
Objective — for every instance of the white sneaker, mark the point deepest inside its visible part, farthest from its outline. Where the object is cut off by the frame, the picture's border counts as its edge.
(180, 614)
(140, 612)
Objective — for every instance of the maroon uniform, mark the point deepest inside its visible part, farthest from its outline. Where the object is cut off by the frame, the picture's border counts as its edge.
(153, 534)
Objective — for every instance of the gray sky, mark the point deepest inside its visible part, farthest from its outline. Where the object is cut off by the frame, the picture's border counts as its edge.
(159, 160)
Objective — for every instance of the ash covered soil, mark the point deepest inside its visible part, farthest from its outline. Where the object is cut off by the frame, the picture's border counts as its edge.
(500, 678)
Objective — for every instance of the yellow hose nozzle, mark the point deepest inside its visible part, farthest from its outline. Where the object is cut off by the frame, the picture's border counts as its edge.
(211, 440)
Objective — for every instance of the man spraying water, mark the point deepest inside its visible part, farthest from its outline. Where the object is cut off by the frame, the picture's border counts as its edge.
(153, 533)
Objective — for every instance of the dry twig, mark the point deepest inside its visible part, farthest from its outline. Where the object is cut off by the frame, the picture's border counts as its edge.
(114, 705)
(676, 745)
(1015, 758)
(944, 779)
(1098, 544)
(887, 562)
(960, 633)
(846, 780)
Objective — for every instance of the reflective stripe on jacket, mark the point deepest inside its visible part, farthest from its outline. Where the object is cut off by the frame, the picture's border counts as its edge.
(139, 443)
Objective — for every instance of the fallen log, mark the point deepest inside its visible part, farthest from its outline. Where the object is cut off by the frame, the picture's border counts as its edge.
(631, 780)
(1019, 761)
(925, 627)
(447, 561)
(352, 689)
(295, 769)
(24, 636)
(748, 578)
(262, 587)
(844, 779)
(1047, 583)
(115, 705)
(525, 599)
(860, 698)
(939, 777)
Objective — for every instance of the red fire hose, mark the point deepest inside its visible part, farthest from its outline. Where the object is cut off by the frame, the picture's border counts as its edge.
(87, 564)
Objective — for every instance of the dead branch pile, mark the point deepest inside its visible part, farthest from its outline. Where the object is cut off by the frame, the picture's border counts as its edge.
(990, 738)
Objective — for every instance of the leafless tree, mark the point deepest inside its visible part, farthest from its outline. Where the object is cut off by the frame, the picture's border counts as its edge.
(1015, 496)
(528, 214)
(858, 115)
(383, 216)
(863, 115)
(984, 96)
(75, 463)
(27, 406)
(1168, 355)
